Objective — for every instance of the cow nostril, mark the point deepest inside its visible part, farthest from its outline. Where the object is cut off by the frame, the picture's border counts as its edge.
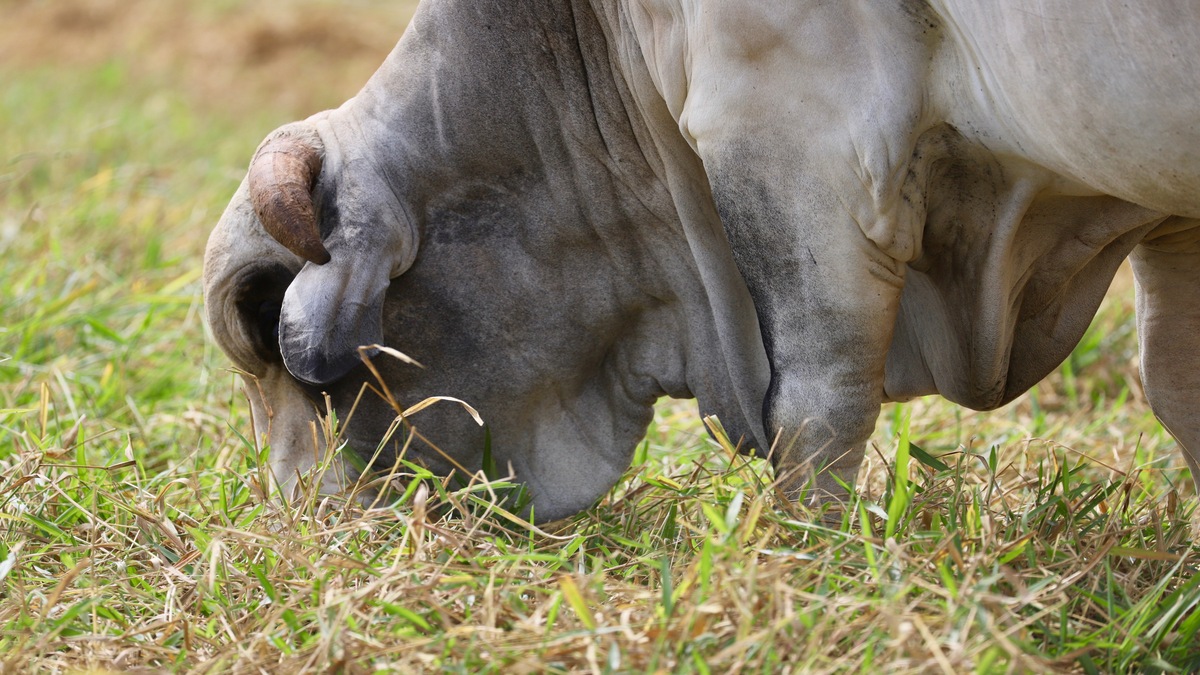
(268, 321)
(259, 304)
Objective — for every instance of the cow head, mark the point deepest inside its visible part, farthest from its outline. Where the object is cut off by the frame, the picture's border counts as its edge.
(557, 265)
(296, 276)
(551, 314)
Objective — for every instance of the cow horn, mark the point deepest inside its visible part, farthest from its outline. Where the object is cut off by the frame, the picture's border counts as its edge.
(281, 177)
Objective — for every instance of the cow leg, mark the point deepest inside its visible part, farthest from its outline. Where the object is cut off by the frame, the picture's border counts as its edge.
(808, 140)
(1166, 266)
(826, 298)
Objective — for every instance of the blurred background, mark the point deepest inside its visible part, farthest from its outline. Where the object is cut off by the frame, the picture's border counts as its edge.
(286, 57)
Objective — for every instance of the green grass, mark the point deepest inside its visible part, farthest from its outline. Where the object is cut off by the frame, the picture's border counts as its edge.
(1052, 535)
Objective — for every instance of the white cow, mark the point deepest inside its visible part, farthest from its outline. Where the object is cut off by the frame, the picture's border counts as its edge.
(793, 211)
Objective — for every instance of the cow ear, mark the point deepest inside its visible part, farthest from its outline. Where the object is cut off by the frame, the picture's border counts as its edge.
(328, 312)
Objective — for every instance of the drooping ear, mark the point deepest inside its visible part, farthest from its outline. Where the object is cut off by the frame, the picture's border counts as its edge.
(332, 309)
(329, 311)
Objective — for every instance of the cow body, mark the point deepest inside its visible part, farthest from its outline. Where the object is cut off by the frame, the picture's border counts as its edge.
(567, 210)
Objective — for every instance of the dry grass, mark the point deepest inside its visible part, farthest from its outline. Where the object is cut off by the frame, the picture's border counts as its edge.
(1053, 535)
(690, 565)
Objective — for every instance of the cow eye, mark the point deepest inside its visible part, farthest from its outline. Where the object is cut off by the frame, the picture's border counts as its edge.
(260, 299)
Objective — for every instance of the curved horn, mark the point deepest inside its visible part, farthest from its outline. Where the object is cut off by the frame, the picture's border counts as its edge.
(282, 176)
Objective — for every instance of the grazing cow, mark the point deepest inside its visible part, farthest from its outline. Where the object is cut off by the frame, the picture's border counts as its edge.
(791, 211)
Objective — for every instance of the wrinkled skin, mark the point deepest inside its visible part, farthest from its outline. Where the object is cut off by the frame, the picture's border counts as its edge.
(791, 212)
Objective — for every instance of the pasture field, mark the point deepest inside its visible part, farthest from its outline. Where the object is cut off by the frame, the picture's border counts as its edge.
(137, 532)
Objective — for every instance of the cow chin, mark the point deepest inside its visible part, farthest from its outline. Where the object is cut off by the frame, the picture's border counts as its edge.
(285, 419)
